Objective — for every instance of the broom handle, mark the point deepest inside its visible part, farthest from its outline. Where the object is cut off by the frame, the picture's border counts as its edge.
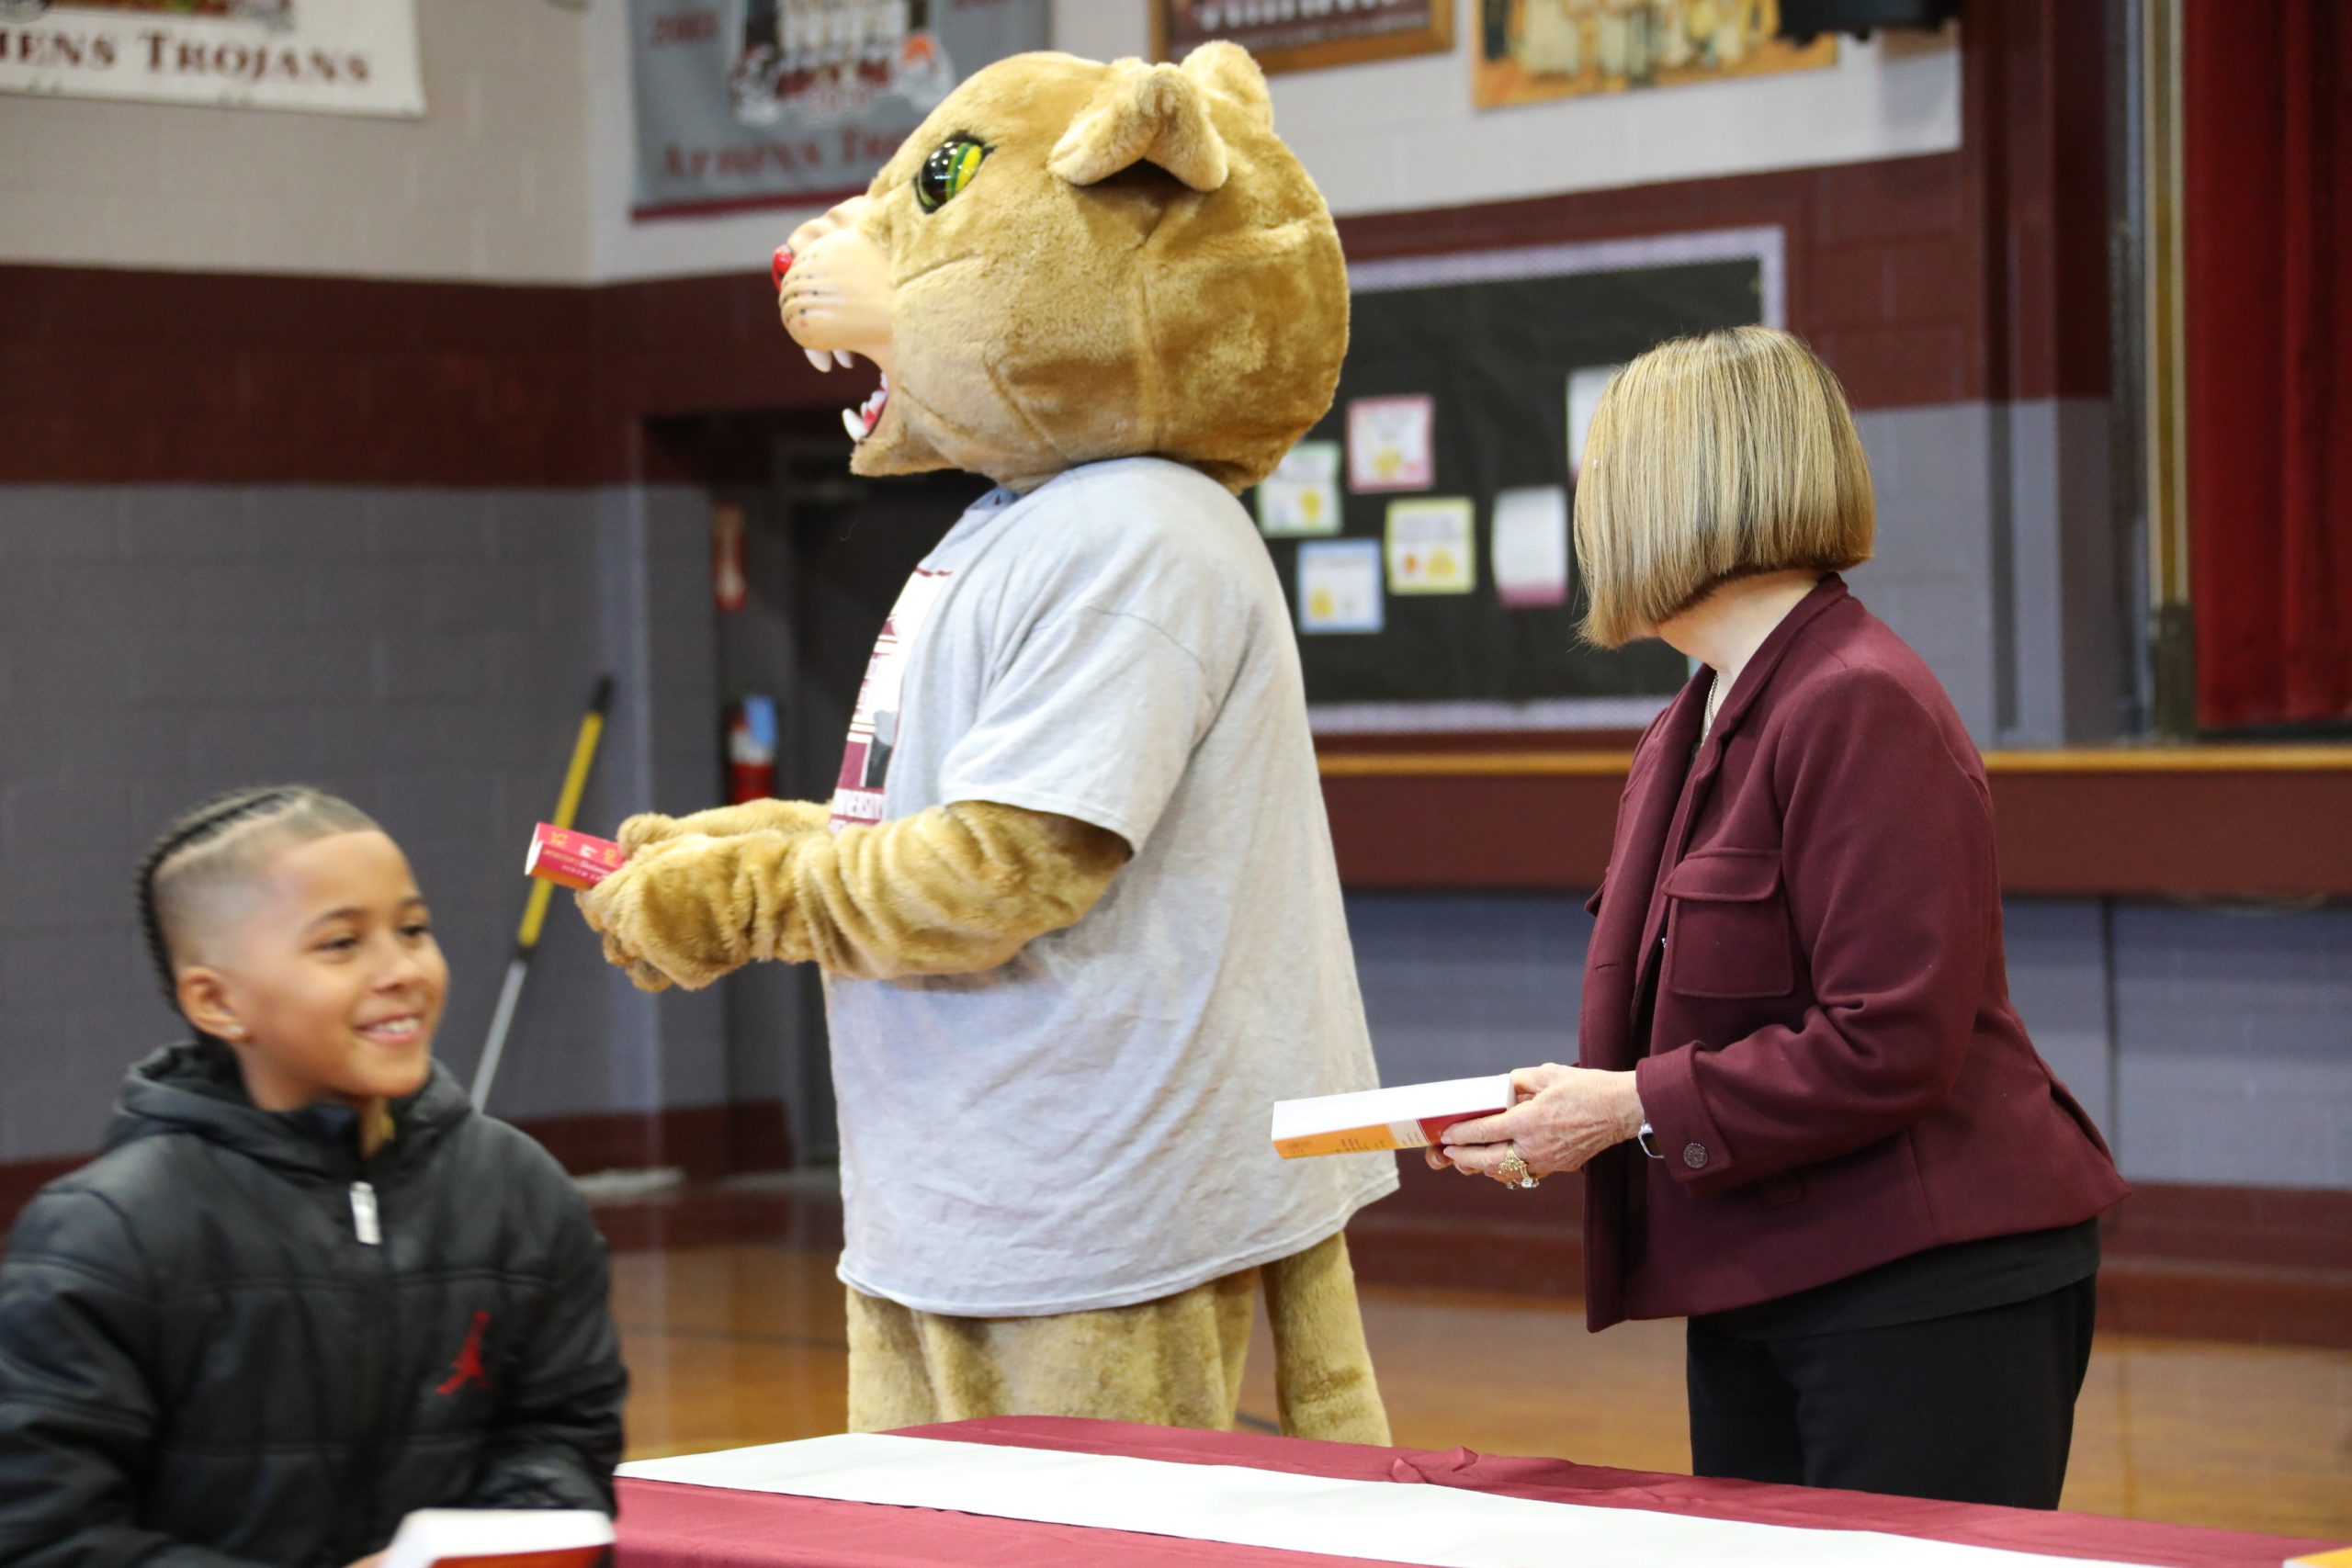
(534, 912)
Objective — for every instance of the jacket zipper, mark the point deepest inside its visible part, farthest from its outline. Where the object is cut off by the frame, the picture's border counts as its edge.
(375, 1270)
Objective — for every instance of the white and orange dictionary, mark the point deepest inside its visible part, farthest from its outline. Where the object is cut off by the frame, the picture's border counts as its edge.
(500, 1537)
(1409, 1116)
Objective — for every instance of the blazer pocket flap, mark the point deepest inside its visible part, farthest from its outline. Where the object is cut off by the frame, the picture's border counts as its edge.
(1725, 877)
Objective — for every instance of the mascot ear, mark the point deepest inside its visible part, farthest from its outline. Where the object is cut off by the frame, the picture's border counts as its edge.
(1144, 114)
(1226, 69)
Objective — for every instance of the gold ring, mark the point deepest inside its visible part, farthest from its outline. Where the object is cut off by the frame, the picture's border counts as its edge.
(1514, 1170)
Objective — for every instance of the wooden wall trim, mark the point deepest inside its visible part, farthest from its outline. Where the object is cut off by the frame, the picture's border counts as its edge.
(1475, 765)
(2209, 821)
(2110, 760)
(2176, 760)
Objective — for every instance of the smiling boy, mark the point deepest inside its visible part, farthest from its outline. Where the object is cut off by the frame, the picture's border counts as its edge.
(306, 1290)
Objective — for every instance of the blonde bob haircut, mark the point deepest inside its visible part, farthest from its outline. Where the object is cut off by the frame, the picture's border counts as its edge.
(1711, 458)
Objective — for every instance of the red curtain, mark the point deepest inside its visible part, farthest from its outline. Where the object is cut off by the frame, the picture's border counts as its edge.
(2266, 150)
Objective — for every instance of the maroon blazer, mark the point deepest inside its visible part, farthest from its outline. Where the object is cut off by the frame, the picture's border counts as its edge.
(1834, 1073)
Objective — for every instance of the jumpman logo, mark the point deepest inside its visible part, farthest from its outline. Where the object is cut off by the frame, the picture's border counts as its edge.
(467, 1368)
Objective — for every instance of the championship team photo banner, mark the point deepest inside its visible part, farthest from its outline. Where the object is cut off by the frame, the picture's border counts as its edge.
(744, 104)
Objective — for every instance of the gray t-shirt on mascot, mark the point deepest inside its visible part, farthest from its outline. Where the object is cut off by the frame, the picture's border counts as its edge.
(1086, 1126)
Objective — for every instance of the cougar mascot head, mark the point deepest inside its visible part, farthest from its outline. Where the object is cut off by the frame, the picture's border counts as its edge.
(1071, 262)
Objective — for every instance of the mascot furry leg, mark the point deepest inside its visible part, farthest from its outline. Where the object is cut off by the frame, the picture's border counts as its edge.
(1173, 1362)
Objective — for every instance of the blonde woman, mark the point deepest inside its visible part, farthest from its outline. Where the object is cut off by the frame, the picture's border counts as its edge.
(1809, 1118)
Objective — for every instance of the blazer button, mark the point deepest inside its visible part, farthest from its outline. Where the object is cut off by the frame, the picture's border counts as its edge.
(1695, 1155)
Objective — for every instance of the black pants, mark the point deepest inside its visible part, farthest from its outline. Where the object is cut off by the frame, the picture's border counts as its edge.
(1974, 1408)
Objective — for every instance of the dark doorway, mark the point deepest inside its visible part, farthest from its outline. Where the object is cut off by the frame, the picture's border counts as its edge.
(825, 554)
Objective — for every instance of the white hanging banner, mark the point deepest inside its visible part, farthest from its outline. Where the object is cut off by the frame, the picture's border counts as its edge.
(1434, 1526)
(324, 56)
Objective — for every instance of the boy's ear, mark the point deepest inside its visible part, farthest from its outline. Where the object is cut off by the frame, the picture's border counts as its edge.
(203, 995)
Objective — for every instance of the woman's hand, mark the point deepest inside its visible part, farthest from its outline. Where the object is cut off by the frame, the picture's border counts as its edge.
(1564, 1116)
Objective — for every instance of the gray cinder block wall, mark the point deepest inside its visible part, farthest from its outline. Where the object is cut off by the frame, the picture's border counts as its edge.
(1997, 560)
(426, 652)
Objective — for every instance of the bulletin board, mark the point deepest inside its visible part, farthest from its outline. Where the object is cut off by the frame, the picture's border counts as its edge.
(1421, 528)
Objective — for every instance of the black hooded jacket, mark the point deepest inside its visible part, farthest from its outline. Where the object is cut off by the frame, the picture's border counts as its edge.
(229, 1341)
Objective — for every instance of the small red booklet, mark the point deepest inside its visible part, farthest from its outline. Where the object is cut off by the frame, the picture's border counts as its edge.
(1410, 1116)
(500, 1537)
(571, 859)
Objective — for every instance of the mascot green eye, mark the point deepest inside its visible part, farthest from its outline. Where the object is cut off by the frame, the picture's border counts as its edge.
(948, 170)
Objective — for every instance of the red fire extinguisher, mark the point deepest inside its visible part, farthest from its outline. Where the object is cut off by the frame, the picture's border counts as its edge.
(751, 750)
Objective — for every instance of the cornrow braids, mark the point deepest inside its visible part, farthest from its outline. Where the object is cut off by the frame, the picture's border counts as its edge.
(207, 828)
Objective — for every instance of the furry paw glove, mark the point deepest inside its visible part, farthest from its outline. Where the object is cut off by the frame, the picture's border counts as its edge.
(954, 889)
(726, 822)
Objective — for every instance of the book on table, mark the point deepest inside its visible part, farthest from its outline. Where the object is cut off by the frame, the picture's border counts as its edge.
(1408, 1116)
(500, 1537)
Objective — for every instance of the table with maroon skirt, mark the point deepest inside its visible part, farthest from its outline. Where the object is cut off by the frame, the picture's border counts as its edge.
(669, 1525)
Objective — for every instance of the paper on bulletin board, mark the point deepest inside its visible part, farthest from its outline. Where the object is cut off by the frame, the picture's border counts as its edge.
(1432, 546)
(1338, 586)
(1530, 547)
(1392, 444)
(1302, 495)
(1585, 386)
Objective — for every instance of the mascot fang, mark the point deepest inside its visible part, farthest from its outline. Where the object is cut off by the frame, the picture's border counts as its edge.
(1073, 897)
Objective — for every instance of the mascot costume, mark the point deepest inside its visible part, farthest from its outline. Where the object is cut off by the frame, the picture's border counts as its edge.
(1074, 897)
